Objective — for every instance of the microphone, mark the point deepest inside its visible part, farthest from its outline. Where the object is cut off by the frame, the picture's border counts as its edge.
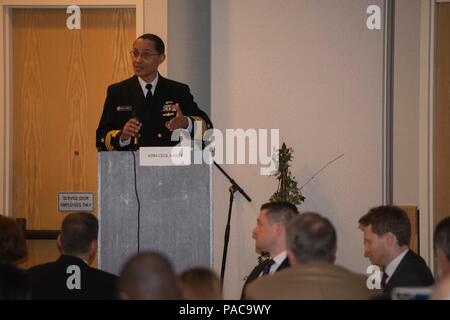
(135, 116)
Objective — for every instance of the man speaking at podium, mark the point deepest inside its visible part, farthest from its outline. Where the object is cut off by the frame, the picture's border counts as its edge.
(145, 109)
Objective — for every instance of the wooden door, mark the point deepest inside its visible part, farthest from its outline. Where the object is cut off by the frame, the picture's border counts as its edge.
(60, 77)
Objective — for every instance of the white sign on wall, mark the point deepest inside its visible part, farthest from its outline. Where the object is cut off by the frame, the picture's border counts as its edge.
(75, 201)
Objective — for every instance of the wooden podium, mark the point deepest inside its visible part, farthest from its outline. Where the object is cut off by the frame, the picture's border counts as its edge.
(175, 212)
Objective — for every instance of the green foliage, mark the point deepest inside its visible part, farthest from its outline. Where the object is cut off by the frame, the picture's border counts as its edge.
(287, 185)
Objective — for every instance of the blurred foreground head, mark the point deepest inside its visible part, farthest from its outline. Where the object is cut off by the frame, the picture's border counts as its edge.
(13, 246)
(148, 276)
(200, 284)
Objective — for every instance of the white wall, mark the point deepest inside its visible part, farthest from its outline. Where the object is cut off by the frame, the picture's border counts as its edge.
(189, 47)
(312, 69)
(156, 21)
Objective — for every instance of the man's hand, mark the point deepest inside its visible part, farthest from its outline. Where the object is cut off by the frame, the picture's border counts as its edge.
(179, 122)
(130, 129)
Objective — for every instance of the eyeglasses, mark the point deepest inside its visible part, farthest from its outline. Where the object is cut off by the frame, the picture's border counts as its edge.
(146, 55)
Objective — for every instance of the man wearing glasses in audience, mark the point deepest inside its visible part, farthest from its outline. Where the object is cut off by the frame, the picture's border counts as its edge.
(145, 109)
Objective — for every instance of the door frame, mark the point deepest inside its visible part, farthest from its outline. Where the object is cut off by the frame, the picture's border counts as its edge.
(6, 72)
(427, 114)
(430, 38)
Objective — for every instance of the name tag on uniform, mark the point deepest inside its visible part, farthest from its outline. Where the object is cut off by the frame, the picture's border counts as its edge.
(124, 108)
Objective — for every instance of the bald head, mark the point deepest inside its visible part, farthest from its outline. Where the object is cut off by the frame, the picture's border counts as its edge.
(148, 276)
(311, 238)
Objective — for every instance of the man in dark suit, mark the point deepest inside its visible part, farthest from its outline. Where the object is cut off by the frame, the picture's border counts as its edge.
(313, 275)
(145, 109)
(71, 277)
(387, 234)
(270, 237)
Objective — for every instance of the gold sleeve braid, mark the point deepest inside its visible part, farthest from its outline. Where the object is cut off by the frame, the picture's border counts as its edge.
(109, 136)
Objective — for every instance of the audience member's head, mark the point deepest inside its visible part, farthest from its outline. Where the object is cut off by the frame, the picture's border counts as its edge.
(442, 247)
(387, 233)
(14, 283)
(311, 238)
(442, 289)
(200, 284)
(13, 247)
(270, 230)
(148, 276)
(79, 233)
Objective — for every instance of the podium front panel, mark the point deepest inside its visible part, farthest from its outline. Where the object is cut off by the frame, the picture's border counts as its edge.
(175, 212)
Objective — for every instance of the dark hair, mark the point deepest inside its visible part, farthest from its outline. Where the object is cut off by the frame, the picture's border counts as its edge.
(311, 237)
(280, 211)
(384, 219)
(159, 44)
(200, 284)
(78, 231)
(13, 246)
(14, 283)
(442, 237)
(149, 276)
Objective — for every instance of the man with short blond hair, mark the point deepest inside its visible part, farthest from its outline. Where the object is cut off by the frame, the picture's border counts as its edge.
(313, 275)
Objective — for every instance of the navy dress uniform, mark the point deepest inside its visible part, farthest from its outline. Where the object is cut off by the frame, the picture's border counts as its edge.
(125, 99)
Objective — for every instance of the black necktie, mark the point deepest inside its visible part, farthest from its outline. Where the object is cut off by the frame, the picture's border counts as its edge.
(383, 280)
(267, 265)
(149, 93)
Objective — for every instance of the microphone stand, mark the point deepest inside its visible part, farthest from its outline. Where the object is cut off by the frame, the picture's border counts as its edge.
(233, 188)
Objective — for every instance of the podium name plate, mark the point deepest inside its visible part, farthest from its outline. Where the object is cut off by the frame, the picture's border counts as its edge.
(164, 156)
